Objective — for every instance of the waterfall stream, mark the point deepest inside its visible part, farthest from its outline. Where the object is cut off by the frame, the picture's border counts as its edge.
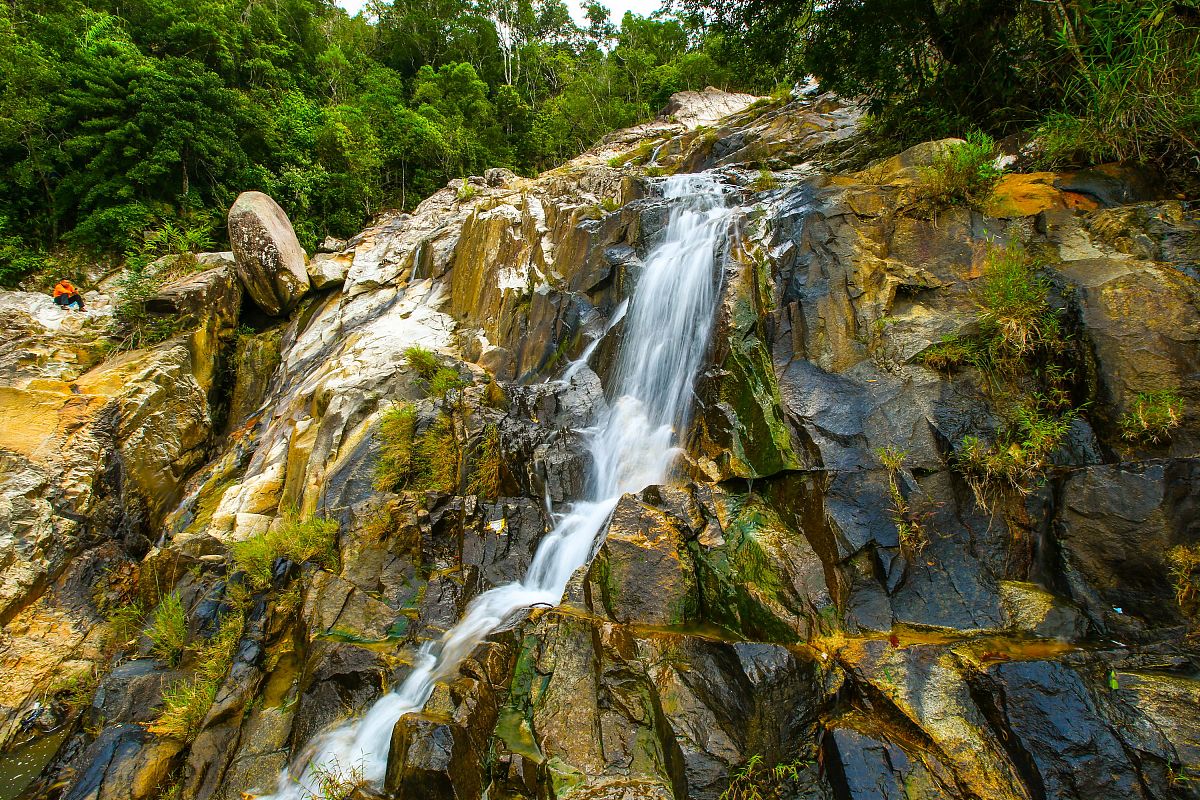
(666, 334)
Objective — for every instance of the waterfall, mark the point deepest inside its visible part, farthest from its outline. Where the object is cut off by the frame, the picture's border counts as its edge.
(667, 329)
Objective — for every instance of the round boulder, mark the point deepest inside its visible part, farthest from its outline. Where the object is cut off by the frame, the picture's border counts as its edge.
(269, 258)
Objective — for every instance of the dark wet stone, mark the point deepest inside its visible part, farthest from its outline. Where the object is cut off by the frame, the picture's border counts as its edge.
(432, 758)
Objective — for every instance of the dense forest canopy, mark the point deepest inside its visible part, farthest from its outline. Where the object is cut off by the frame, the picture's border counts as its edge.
(128, 127)
(120, 118)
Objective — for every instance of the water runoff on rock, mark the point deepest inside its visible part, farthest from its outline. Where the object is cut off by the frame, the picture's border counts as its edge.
(633, 446)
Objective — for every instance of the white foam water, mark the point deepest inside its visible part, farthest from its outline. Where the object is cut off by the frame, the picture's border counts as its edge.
(634, 446)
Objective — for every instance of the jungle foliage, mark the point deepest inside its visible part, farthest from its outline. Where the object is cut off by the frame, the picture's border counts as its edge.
(1098, 79)
(120, 118)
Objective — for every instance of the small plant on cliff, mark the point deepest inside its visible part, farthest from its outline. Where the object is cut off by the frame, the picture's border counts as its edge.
(445, 381)
(335, 782)
(186, 703)
(485, 479)
(397, 429)
(312, 539)
(168, 629)
(1017, 459)
(1152, 417)
(952, 353)
(440, 456)
(423, 361)
(765, 181)
(124, 622)
(1013, 303)
(909, 527)
(962, 173)
(1184, 561)
(465, 191)
(756, 781)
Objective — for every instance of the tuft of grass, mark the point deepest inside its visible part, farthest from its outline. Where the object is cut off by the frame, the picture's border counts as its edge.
(445, 381)
(609, 204)
(440, 457)
(1184, 562)
(1152, 417)
(312, 539)
(952, 353)
(485, 479)
(909, 526)
(168, 629)
(1017, 459)
(335, 782)
(465, 191)
(494, 396)
(125, 622)
(397, 429)
(756, 781)
(186, 703)
(765, 181)
(1013, 301)
(964, 173)
(423, 361)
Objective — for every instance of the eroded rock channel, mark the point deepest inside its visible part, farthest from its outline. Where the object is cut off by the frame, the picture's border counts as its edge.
(913, 544)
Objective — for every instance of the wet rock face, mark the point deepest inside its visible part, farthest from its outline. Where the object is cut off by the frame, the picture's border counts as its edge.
(270, 261)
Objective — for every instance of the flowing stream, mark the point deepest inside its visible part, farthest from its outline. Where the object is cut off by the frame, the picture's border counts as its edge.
(634, 445)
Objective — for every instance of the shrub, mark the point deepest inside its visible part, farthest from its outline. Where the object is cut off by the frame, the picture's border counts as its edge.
(312, 539)
(186, 703)
(396, 432)
(465, 191)
(485, 480)
(168, 629)
(1184, 561)
(125, 622)
(1018, 458)
(756, 781)
(1013, 302)
(962, 173)
(445, 381)
(765, 181)
(1152, 417)
(423, 361)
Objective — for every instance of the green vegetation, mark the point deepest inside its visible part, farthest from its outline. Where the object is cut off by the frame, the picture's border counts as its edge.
(1104, 79)
(313, 539)
(336, 782)
(1184, 561)
(168, 629)
(765, 181)
(118, 118)
(756, 781)
(186, 703)
(909, 525)
(489, 461)
(952, 353)
(397, 429)
(1152, 417)
(1013, 303)
(445, 381)
(423, 361)
(961, 174)
(1018, 457)
(125, 622)
(465, 191)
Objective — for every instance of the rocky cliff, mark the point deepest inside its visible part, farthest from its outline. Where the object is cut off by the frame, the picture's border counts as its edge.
(916, 547)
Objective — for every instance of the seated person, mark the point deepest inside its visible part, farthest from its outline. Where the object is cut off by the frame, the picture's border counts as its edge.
(66, 295)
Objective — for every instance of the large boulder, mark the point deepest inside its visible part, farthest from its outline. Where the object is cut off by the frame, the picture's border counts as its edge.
(270, 261)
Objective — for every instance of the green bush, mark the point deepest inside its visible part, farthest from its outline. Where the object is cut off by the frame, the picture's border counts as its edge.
(465, 191)
(765, 181)
(423, 361)
(756, 781)
(125, 622)
(440, 457)
(963, 173)
(445, 381)
(313, 539)
(485, 479)
(1184, 563)
(1134, 92)
(952, 353)
(168, 629)
(1152, 417)
(1017, 459)
(397, 430)
(1013, 302)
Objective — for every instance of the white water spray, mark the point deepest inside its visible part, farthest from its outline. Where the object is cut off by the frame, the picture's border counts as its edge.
(634, 446)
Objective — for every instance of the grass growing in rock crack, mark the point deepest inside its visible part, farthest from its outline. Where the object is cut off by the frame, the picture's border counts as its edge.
(311, 539)
(485, 478)
(1152, 417)
(1184, 562)
(124, 622)
(397, 430)
(756, 781)
(963, 173)
(765, 181)
(423, 361)
(1017, 459)
(909, 527)
(335, 782)
(186, 703)
(1013, 304)
(168, 629)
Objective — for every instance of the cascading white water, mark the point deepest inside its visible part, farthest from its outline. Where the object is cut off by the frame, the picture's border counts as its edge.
(666, 335)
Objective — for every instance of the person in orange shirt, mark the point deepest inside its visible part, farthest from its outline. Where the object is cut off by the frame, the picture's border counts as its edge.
(66, 295)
